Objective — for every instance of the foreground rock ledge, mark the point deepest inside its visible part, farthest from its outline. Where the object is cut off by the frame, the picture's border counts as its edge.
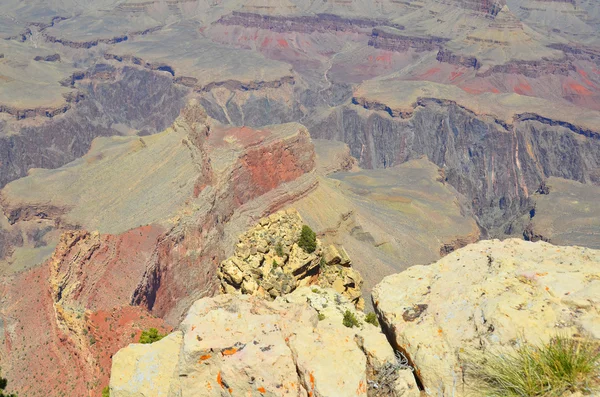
(241, 345)
(489, 294)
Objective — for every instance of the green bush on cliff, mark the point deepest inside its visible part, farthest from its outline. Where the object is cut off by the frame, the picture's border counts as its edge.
(350, 319)
(150, 336)
(371, 318)
(106, 392)
(308, 239)
(279, 249)
(560, 367)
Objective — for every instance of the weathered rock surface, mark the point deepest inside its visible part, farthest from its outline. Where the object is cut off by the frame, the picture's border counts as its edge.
(244, 345)
(488, 294)
(269, 263)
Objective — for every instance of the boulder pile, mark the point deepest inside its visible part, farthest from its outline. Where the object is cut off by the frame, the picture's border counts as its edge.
(268, 262)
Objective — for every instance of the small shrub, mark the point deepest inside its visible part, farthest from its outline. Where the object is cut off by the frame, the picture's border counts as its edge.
(279, 249)
(371, 318)
(322, 263)
(151, 336)
(562, 365)
(106, 392)
(275, 264)
(321, 317)
(350, 319)
(308, 240)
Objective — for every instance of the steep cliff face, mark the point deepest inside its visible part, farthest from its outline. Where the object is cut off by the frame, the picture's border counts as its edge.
(497, 166)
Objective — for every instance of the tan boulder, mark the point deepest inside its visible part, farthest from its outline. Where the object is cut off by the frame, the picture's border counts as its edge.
(156, 362)
(489, 294)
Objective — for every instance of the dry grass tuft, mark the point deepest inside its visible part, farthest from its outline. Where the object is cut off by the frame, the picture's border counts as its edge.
(553, 369)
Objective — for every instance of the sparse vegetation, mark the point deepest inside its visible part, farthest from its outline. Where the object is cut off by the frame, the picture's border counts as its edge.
(322, 263)
(321, 317)
(106, 392)
(350, 320)
(553, 369)
(3, 385)
(371, 318)
(279, 249)
(150, 336)
(308, 239)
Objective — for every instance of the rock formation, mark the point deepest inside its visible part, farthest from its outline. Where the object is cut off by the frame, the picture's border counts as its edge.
(269, 263)
(243, 345)
(99, 289)
(485, 296)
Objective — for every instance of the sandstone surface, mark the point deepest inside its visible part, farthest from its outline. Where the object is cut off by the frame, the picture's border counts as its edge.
(244, 345)
(485, 296)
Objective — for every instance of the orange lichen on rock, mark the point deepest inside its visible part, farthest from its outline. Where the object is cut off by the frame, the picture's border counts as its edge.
(229, 352)
(362, 388)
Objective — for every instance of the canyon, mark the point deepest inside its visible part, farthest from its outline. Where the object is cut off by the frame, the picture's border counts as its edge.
(140, 139)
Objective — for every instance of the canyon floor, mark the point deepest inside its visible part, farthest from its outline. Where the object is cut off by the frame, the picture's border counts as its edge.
(139, 139)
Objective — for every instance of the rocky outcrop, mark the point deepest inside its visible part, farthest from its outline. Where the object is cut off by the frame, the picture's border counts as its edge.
(448, 56)
(303, 24)
(95, 42)
(98, 290)
(394, 41)
(48, 58)
(532, 69)
(244, 345)
(489, 7)
(485, 296)
(269, 263)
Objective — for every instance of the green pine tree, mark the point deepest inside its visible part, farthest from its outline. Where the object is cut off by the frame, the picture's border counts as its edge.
(308, 239)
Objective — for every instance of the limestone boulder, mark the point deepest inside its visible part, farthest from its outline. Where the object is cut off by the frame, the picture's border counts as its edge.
(156, 362)
(242, 345)
(488, 295)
